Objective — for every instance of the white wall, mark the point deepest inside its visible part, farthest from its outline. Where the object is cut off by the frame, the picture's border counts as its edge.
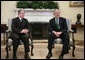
(70, 12)
(8, 11)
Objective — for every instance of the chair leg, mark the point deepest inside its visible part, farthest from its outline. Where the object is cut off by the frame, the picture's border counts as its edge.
(32, 50)
(32, 47)
(73, 49)
(9, 48)
(69, 46)
(7, 56)
(6, 48)
(53, 46)
(73, 45)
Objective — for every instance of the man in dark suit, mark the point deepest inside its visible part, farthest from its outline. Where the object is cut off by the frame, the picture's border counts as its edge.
(20, 29)
(58, 29)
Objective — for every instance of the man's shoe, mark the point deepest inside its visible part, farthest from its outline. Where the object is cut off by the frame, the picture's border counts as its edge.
(27, 56)
(14, 57)
(49, 55)
(61, 56)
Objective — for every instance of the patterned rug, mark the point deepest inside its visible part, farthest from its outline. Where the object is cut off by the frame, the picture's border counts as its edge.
(41, 51)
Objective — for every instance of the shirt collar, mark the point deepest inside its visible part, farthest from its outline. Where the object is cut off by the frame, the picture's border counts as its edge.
(57, 18)
(19, 18)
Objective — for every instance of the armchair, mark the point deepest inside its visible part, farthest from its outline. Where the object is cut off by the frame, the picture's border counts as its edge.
(9, 41)
(71, 33)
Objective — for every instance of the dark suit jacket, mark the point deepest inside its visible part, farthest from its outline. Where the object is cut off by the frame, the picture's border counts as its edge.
(17, 25)
(62, 24)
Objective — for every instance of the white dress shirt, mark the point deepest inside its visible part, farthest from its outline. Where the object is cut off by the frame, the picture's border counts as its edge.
(20, 19)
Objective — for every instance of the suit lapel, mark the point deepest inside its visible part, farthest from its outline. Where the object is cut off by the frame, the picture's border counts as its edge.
(60, 22)
(18, 20)
(23, 22)
(54, 23)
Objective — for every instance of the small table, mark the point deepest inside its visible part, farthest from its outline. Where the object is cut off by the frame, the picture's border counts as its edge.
(76, 26)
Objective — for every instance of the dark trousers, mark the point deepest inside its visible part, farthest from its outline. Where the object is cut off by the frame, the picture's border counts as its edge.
(16, 41)
(65, 40)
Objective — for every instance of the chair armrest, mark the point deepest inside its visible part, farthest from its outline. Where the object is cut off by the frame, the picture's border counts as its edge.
(7, 31)
(7, 34)
(72, 31)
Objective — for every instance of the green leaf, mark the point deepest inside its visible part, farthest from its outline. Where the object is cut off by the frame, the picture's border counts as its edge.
(37, 4)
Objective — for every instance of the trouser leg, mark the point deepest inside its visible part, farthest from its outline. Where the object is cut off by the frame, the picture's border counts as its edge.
(25, 40)
(50, 42)
(65, 39)
(15, 44)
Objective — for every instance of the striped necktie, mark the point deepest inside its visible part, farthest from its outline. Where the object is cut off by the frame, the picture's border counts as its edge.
(57, 24)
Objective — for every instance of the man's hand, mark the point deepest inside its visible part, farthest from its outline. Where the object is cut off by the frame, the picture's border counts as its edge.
(57, 33)
(24, 31)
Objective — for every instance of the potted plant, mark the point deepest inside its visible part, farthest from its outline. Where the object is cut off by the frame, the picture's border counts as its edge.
(37, 4)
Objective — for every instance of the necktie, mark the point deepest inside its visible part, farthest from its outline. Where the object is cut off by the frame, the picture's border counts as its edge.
(57, 24)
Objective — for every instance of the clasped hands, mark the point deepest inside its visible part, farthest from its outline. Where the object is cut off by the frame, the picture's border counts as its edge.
(57, 34)
(24, 31)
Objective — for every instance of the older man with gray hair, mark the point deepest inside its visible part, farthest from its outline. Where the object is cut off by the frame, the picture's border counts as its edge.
(20, 29)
